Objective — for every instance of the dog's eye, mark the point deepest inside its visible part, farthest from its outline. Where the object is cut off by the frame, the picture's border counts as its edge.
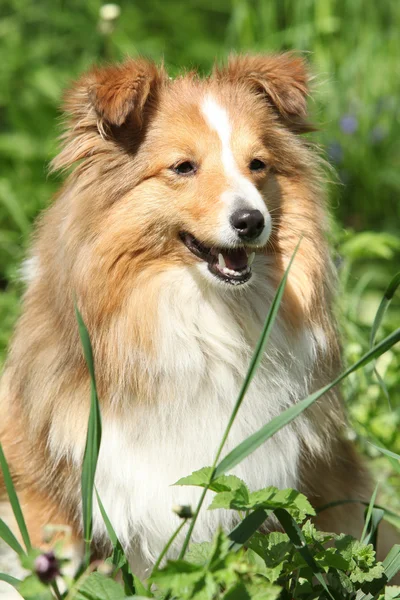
(257, 165)
(185, 168)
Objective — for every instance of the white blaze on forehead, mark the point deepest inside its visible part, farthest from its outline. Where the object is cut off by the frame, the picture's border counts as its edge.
(218, 120)
(241, 192)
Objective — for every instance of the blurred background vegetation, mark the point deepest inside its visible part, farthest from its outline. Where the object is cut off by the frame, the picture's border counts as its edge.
(353, 47)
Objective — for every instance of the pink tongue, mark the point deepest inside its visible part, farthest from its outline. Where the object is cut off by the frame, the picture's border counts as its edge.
(235, 259)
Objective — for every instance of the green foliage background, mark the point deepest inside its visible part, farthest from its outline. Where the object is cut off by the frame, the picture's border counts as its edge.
(353, 48)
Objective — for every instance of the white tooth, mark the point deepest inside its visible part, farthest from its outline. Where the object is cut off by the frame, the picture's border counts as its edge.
(221, 261)
(251, 259)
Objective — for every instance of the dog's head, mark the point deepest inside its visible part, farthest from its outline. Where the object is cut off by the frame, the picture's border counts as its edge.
(189, 171)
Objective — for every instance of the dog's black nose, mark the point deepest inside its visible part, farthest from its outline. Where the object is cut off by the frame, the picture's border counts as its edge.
(248, 223)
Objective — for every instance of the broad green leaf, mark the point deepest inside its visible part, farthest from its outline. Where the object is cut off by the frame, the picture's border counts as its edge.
(291, 500)
(330, 558)
(201, 478)
(12, 496)
(199, 553)
(93, 440)
(249, 445)
(9, 538)
(97, 586)
(392, 592)
(33, 589)
(275, 550)
(219, 550)
(237, 499)
(178, 576)
(297, 538)
(268, 498)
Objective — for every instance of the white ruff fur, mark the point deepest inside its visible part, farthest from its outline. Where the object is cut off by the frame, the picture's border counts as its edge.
(206, 338)
(241, 194)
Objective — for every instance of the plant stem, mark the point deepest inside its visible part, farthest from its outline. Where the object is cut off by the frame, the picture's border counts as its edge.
(168, 545)
(56, 590)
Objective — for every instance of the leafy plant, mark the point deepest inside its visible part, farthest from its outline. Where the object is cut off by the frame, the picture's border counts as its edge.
(300, 562)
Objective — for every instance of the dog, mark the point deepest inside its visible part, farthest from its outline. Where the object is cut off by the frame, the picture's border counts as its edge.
(184, 203)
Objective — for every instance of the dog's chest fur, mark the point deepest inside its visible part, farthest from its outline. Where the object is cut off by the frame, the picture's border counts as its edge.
(206, 338)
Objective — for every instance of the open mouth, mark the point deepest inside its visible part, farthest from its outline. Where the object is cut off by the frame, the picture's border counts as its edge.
(232, 265)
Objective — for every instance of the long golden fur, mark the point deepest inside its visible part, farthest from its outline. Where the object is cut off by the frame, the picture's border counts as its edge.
(111, 241)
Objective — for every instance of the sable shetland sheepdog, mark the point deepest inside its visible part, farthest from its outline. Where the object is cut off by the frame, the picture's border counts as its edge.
(185, 204)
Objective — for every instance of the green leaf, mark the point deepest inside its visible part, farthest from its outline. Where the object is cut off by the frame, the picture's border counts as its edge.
(250, 444)
(369, 513)
(118, 558)
(33, 589)
(330, 558)
(246, 528)
(199, 553)
(380, 313)
(237, 500)
(201, 478)
(387, 452)
(291, 500)
(297, 538)
(268, 498)
(7, 535)
(178, 576)
(11, 580)
(383, 306)
(391, 563)
(97, 586)
(12, 496)
(93, 440)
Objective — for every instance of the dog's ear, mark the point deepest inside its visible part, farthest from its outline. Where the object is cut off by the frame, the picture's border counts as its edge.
(282, 79)
(104, 99)
(120, 91)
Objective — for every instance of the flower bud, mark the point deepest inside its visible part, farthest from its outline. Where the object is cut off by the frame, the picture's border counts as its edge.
(47, 567)
(183, 511)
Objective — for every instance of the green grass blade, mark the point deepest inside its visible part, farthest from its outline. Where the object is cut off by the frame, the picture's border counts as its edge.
(369, 513)
(7, 535)
(387, 452)
(110, 529)
(93, 440)
(15, 505)
(380, 313)
(392, 562)
(383, 306)
(261, 344)
(246, 528)
(119, 558)
(8, 579)
(258, 438)
(297, 538)
(255, 361)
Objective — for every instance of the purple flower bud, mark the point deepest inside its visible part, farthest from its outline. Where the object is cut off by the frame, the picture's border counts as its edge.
(348, 124)
(47, 567)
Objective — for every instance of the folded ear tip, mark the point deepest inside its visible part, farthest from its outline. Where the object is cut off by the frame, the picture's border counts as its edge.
(113, 91)
(283, 78)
